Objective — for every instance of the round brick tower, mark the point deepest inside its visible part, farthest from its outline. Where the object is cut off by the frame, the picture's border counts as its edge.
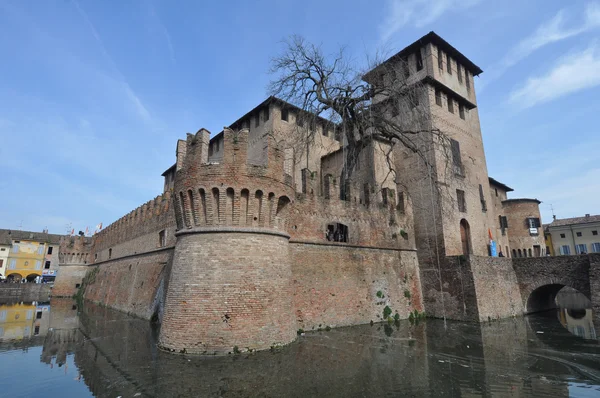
(230, 282)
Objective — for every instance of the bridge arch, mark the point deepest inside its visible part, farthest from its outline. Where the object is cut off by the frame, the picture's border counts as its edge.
(543, 297)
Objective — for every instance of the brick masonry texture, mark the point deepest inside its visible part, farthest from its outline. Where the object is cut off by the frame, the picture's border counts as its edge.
(229, 289)
(134, 284)
(335, 285)
(70, 278)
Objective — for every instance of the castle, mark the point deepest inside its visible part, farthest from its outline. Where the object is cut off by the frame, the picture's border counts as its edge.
(251, 240)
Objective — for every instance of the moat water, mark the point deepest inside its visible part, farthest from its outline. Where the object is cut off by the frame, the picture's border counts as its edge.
(59, 350)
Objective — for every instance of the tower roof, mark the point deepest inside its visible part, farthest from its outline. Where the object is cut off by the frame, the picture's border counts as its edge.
(434, 38)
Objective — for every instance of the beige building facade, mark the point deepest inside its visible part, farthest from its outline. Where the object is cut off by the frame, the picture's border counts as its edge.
(576, 235)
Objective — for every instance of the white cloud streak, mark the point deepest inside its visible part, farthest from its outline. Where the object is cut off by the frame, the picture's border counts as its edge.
(560, 27)
(142, 111)
(576, 72)
(418, 13)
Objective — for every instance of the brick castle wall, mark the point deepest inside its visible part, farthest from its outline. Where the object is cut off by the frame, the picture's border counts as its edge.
(133, 284)
(334, 285)
(69, 279)
(234, 290)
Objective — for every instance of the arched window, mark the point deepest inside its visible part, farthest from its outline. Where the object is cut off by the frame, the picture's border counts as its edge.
(529, 250)
(520, 255)
(514, 253)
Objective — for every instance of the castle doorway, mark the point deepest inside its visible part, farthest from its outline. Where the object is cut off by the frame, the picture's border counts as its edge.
(465, 237)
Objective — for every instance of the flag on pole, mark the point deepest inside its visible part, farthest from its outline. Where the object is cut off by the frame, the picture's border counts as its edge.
(72, 231)
(98, 228)
(87, 231)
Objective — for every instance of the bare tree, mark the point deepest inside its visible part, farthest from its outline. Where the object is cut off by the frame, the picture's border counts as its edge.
(381, 102)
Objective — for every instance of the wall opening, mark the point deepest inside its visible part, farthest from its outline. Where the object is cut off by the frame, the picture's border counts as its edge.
(258, 216)
(203, 219)
(244, 196)
(337, 232)
(544, 298)
(229, 205)
(465, 237)
(194, 212)
(216, 206)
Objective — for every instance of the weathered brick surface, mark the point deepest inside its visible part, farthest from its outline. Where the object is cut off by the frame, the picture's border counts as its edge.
(132, 284)
(496, 288)
(335, 285)
(228, 289)
(68, 279)
(519, 236)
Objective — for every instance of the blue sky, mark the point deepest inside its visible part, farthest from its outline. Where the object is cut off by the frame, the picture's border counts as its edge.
(94, 94)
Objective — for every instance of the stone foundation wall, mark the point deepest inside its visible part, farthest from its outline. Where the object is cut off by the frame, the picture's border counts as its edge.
(27, 292)
(337, 285)
(496, 287)
(69, 279)
(132, 284)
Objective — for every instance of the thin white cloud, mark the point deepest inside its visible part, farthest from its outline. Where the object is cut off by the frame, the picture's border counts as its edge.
(142, 111)
(418, 13)
(561, 27)
(553, 31)
(576, 72)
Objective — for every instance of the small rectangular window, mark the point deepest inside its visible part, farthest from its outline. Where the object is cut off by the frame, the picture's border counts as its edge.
(400, 204)
(460, 199)
(456, 157)
(77, 285)
(533, 222)
(503, 222)
(266, 114)
(581, 248)
(49, 249)
(47, 265)
(285, 115)
(482, 198)
(562, 236)
(440, 59)
(162, 238)
(256, 120)
(459, 72)
(450, 105)
(419, 57)
(38, 315)
(596, 247)
(461, 112)
(594, 233)
(438, 97)
(467, 84)
(578, 234)
(448, 63)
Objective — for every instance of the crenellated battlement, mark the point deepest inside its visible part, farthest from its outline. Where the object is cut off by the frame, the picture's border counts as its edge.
(149, 217)
(231, 191)
(74, 250)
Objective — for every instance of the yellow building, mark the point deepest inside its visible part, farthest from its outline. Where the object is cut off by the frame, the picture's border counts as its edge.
(26, 259)
(28, 254)
(17, 321)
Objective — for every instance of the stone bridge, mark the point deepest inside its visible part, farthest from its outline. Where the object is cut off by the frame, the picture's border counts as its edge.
(541, 278)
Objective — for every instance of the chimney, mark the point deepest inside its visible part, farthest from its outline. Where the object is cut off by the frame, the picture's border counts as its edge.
(553, 217)
(587, 216)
